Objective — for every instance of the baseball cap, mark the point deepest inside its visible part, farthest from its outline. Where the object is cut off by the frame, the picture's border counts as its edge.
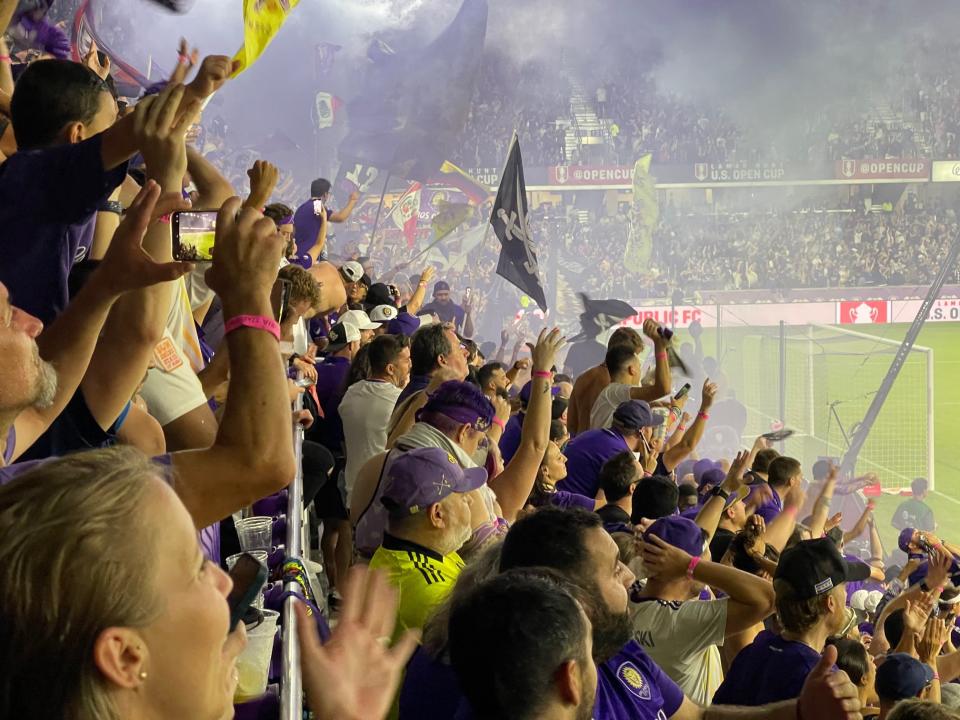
(422, 477)
(528, 388)
(712, 477)
(858, 599)
(359, 319)
(901, 676)
(680, 532)
(383, 313)
(702, 466)
(905, 538)
(341, 335)
(654, 497)
(378, 294)
(815, 567)
(636, 414)
(352, 270)
(441, 286)
(462, 402)
(403, 324)
(872, 601)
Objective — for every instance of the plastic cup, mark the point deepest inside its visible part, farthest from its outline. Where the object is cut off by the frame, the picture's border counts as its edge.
(255, 533)
(253, 665)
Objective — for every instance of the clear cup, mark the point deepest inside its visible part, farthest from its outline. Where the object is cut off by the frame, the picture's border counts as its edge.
(255, 533)
(261, 557)
(253, 665)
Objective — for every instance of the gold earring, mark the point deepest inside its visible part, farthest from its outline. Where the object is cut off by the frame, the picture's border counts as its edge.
(143, 675)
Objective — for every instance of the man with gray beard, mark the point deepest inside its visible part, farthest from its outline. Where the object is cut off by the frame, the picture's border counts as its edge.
(426, 496)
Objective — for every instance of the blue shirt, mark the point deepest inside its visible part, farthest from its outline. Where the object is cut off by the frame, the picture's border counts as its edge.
(510, 440)
(586, 454)
(48, 204)
(631, 685)
(768, 670)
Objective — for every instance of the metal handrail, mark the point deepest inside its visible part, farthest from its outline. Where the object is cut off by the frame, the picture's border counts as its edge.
(291, 686)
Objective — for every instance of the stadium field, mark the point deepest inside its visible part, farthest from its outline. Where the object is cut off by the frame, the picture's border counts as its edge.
(943, 338)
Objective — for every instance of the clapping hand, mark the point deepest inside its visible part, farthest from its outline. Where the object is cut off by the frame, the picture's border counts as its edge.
(355, 674)
(544, 353)
(263, 179)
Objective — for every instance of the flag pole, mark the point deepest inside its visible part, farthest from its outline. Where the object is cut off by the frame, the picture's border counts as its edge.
(376, 219)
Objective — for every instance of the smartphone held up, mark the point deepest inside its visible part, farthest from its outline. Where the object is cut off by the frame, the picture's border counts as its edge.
(194, 232)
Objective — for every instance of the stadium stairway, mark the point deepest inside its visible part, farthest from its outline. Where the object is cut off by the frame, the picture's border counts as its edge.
(586, 128)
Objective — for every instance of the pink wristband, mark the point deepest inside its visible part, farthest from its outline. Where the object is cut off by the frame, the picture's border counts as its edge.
(165, 219)
(257, 322)
(662, 355)
(4, 58)
(499, 423)
(681, 428)
(543, 374)
(703, 416)
(694, 561)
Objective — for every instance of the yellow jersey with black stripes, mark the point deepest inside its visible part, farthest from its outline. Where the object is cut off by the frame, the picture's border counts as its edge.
(423, 578)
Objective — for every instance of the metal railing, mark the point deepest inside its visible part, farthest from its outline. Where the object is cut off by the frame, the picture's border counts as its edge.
(291, 685)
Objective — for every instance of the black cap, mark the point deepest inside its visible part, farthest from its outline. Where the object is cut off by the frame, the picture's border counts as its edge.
(815, 567)
(655, 497)
(378, 294)
(441, 286)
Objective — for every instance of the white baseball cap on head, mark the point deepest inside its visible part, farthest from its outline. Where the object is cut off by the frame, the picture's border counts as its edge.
(858, 599)
(872, 600)
(383, 313)
(352, 270)
(360, 319)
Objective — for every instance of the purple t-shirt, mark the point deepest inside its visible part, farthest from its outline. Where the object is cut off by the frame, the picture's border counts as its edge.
(331, 375)
(48, 204)
(586, 454)
(563, 499)
(632, 685)
(430, 689)
(768, 670)
(510, 440)
(209, 536)
(770, 508)
(306, 225)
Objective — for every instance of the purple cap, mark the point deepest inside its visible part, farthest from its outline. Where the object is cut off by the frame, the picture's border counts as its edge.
(712, 477)
(422, 477)
(403, 324)
(441, 286)
(527, 389)
(461, 401)
(701, 466)
(906, 537)
(636, 414)
(679, 531)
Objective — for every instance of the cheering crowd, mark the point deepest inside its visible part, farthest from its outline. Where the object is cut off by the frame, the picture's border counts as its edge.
(499, 539)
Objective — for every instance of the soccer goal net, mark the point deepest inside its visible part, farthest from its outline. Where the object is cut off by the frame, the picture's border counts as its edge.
(820, 381)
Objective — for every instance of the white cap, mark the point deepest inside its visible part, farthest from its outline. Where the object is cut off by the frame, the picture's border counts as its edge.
(426, 320)
(352, 270)
(858, 599)
(383, 313)
(342, 334)
(872, 600)
(359, 319)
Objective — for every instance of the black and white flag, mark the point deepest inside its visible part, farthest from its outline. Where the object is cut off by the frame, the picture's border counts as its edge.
(518, 257)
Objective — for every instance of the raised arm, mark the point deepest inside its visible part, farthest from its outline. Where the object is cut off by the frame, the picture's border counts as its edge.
(69, 342)
(253, 453)
(137, 321)
(213, 189)
(821, 508)
(661, 384)
(419, 293)
(709, 516)
(343, 213)
(514, 484)
(691, 438)
(751, 598)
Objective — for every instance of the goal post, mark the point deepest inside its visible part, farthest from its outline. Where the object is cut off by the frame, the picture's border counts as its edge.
(831, 374)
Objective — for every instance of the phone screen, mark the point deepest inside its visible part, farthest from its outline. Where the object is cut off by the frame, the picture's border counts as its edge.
(193, 235)
(280, 297)
(248, 576)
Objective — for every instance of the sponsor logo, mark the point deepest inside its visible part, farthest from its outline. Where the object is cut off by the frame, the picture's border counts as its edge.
(822, 586)
(700, 171)
(633, 680)
(738, 172)
(892, 169)
(848, 168)
(862, 312)
(946, 171)
(562, 174)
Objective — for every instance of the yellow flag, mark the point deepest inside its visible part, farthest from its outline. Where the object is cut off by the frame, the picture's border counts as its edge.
(449, 218)
(262, 19)
(644, 215)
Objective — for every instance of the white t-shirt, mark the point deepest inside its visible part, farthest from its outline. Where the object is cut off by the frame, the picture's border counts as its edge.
(365, 412)
(682, 637)
(601, 415)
